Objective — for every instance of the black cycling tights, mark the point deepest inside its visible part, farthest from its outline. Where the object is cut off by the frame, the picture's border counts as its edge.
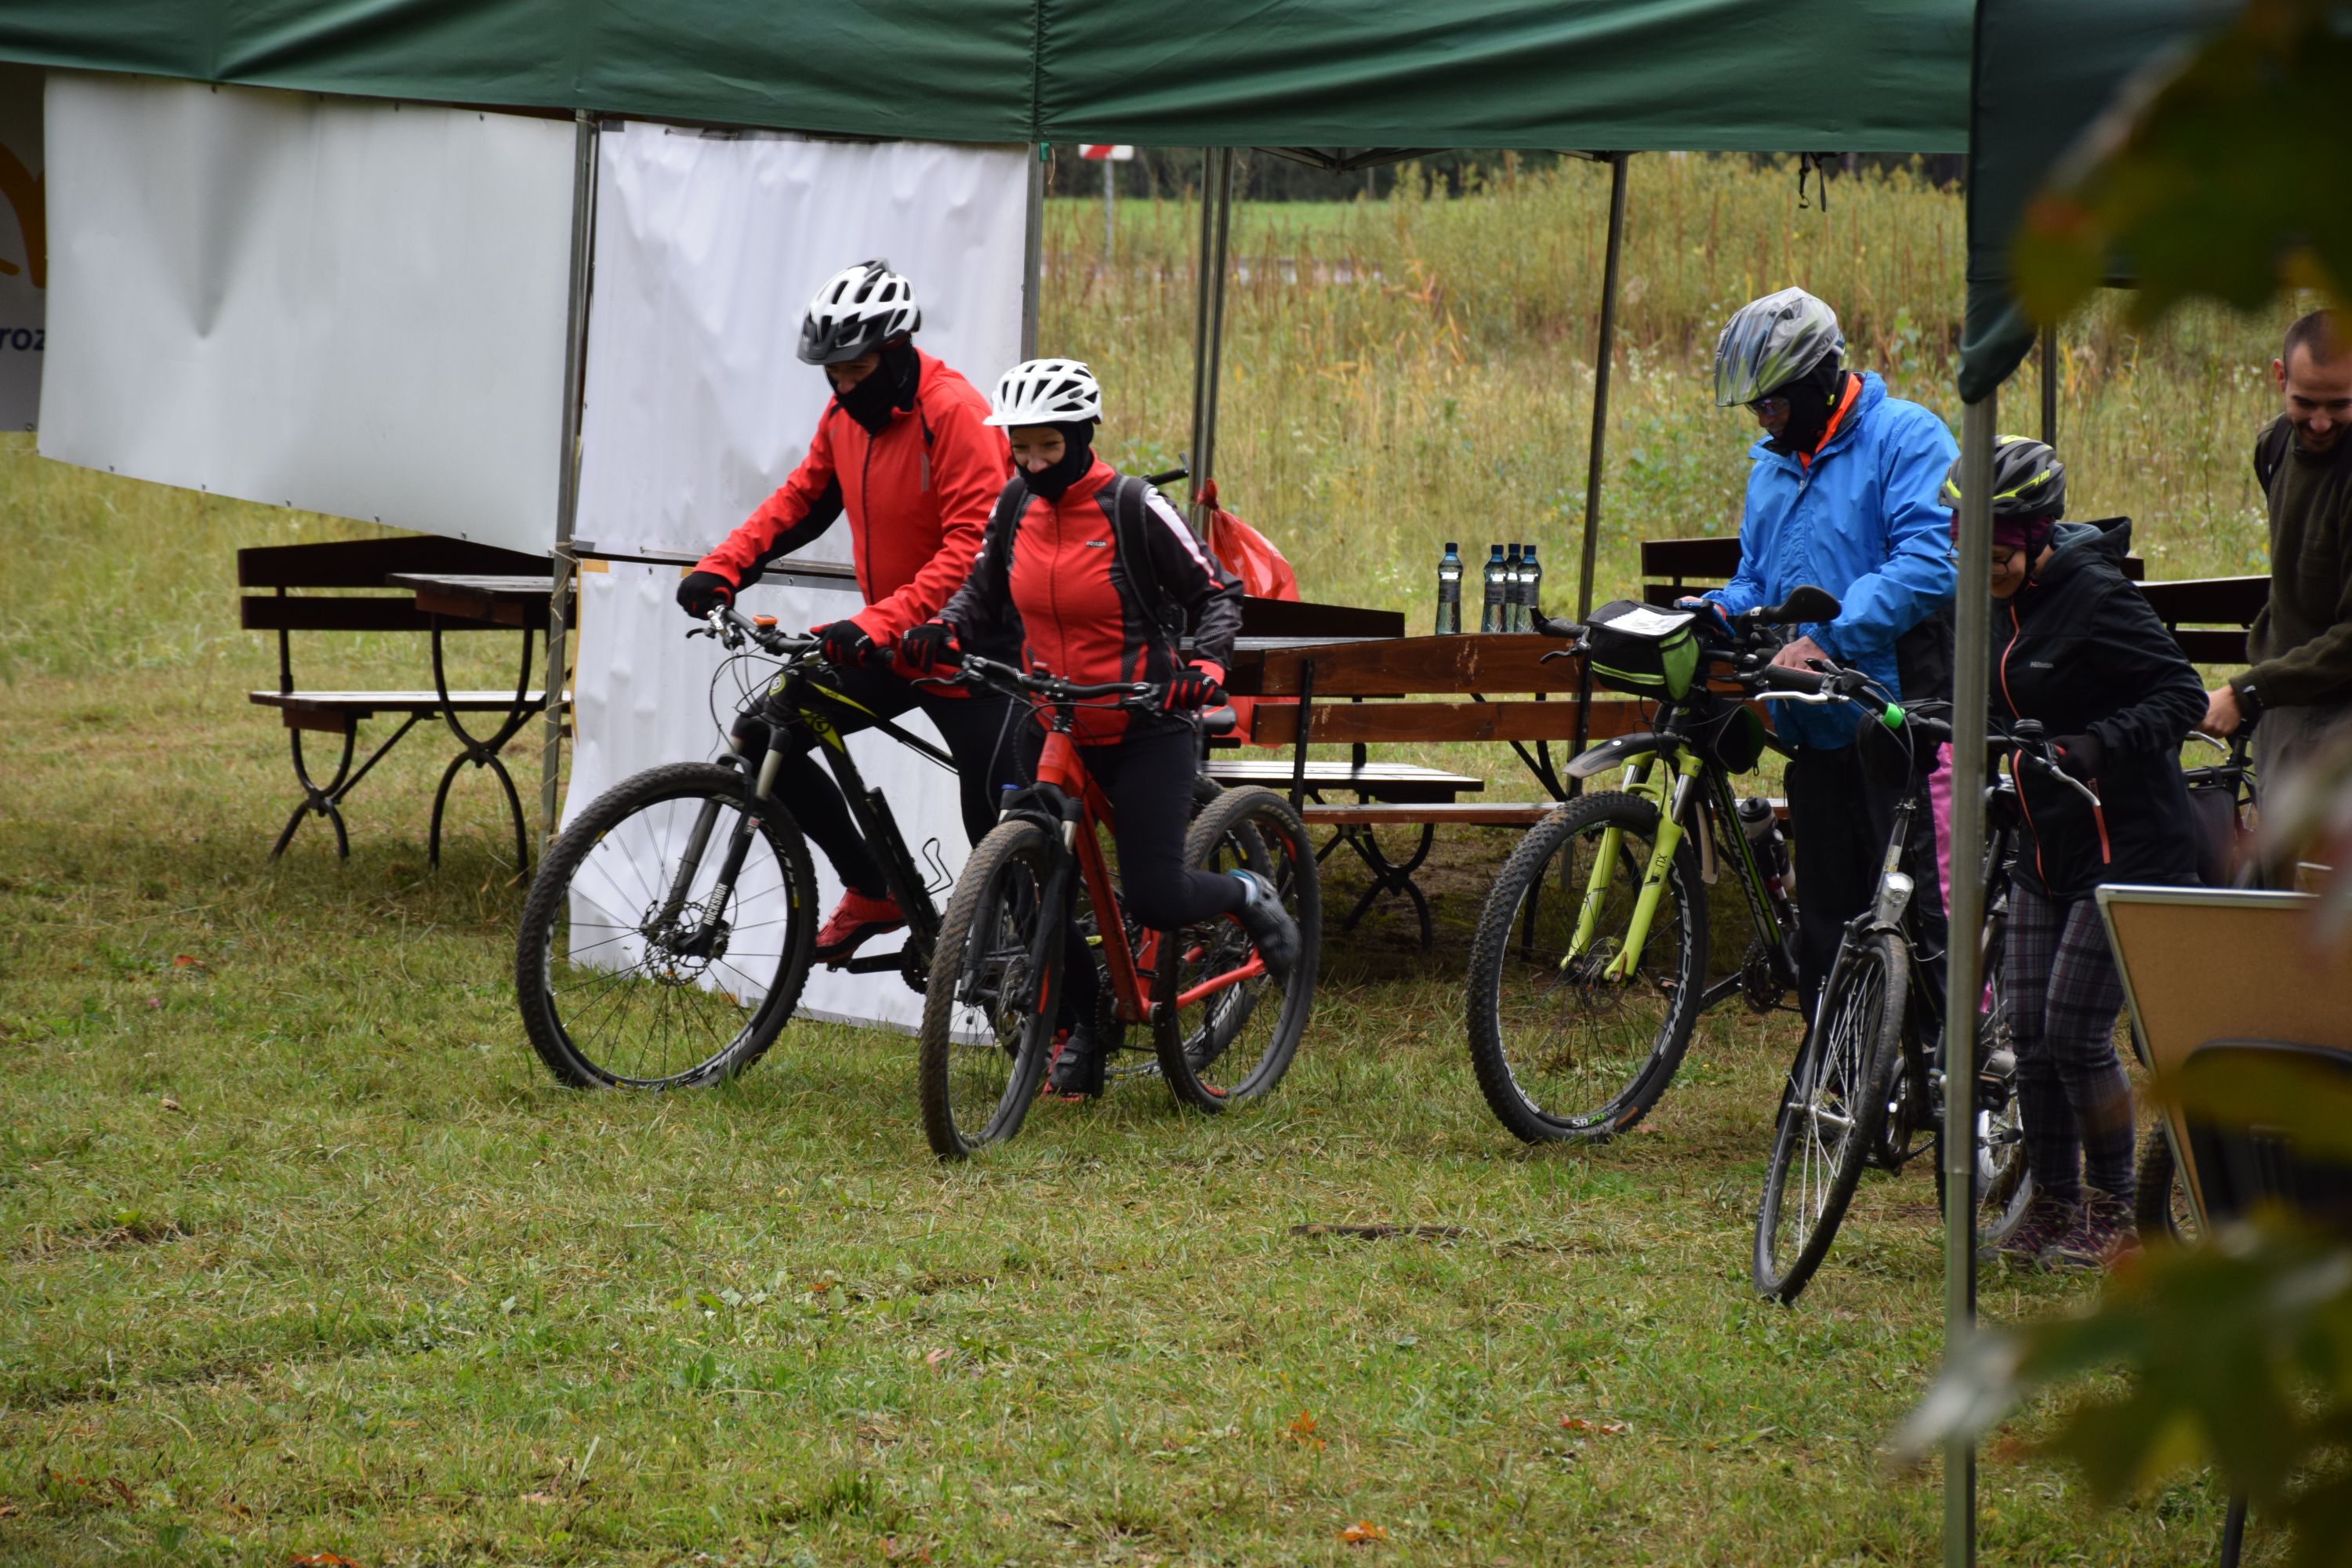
(1148, 775)
(978, 728)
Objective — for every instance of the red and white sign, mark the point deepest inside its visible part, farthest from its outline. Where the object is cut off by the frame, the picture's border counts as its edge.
(1115, 152)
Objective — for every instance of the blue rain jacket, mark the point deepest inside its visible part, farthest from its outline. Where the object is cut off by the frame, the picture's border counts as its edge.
(1864, 523)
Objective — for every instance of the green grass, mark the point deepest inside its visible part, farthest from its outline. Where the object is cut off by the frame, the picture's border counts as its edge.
(306, 1253)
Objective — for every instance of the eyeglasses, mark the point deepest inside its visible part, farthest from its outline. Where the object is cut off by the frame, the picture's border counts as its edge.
(1770, 408)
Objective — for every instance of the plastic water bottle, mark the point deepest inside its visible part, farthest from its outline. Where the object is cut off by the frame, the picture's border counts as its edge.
(1530, 589)
(1490, 618)
(1449, 592)
(1758, 820)
(1512, 583)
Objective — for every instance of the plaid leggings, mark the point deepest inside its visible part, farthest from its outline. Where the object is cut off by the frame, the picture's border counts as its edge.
(2064, 994)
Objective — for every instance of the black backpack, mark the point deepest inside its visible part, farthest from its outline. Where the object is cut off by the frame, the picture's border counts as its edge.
(1129, 506)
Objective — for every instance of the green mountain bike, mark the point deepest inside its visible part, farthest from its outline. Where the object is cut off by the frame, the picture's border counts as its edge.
(1588, 970)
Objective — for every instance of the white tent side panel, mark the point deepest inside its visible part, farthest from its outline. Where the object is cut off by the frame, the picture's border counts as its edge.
(350, 307)
(709, 248)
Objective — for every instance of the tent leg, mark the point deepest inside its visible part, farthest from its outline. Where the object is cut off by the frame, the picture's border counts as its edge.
(1209, 320)
(1603, 355)
(567, 484)
(1971, 680)
(2050, 386)
(1033, 252)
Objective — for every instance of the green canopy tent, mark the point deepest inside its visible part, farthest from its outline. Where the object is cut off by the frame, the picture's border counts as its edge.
(2043, 73)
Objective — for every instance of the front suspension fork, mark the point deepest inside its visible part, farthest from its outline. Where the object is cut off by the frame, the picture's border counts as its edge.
(1649, 781)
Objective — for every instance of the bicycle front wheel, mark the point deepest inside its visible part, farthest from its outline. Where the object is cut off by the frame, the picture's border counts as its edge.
(641, 961)
(995, 981)
(1223, 1041)
(2160, 1202)
(1575, 1027)
(1832, 1115)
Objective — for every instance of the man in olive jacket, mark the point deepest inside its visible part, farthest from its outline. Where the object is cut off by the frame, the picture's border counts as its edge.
(2301, 683)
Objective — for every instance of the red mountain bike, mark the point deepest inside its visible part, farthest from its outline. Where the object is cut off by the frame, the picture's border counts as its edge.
(1222, 1027)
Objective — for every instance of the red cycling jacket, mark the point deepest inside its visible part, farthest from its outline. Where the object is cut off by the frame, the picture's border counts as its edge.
(1050, 584)
(917, 495)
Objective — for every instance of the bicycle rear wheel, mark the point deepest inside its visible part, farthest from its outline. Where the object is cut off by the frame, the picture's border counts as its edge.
(988, 1013)
(634, 967)
(1568, 1043)
(1222, 1044)
(1833, 1114)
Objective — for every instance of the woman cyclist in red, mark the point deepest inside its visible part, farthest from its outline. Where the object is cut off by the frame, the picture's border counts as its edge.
(1050, 587)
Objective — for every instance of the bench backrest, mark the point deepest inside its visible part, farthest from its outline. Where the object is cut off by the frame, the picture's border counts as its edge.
(1674, 567)
(360, 563)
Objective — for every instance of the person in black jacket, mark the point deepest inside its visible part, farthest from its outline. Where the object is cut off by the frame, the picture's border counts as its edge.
(2078, 649)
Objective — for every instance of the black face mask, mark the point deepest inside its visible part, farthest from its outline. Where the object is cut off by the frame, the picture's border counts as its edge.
(1812, 398)
(1078, 458)
(874, 401)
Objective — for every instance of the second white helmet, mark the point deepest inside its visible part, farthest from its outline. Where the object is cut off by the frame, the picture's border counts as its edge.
(1046, 392)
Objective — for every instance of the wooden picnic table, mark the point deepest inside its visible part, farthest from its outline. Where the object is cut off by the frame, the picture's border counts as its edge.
(1356, 692)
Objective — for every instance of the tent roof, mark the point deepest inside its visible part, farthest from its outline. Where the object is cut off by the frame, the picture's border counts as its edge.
(2044, 70)
(1880, 76)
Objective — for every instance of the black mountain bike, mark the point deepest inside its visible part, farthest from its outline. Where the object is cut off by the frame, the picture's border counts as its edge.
(1866, 1089)
(672, 926)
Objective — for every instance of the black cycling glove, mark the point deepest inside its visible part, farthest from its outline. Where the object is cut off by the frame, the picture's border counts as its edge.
(932, 643)
(703, 591)
(2079, 756)
(1199, 686)
(846, 645)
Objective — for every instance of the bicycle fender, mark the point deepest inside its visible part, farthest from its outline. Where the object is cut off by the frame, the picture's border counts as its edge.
(1610, 755)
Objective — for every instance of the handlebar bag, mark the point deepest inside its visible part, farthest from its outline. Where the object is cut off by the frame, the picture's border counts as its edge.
(1642, 649)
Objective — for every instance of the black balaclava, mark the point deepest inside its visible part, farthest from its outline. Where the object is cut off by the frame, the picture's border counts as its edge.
(1812, 398)
(1078, 458)
(876, 400)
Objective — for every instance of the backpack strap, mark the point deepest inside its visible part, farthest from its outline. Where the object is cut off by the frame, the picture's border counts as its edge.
(2270, 451)
(1132, 528)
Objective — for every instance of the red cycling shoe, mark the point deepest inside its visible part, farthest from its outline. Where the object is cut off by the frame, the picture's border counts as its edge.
(854, 919)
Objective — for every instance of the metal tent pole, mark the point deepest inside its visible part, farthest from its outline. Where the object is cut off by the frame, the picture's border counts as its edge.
(567, 481)
(2050, 386)
(1605, 354)
(1208, 318)
(1033, 252)
(1110, 211)
(1963, 982)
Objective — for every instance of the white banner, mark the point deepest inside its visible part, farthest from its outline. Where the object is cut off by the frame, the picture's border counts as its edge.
(644, 698)
(349, 306)
(24, 253)
(709, 247)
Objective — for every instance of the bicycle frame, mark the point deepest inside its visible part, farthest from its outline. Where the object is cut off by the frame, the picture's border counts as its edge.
(1693, 780)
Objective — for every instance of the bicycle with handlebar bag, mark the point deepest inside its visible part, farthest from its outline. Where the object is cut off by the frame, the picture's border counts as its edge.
(672, 925)
(1588, 970)
(1866, 1089)
(1223, 1026)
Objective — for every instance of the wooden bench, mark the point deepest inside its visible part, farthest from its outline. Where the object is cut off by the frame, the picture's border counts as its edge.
(2209, 618)
(342, 586)
(1355, 693)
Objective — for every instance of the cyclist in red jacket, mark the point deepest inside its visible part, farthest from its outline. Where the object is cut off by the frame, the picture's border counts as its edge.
(1052, 587)
(906, 449)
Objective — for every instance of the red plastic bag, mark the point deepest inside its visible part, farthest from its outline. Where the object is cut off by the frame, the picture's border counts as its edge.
(1264, 573)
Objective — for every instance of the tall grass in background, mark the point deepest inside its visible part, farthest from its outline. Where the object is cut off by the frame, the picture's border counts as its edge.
(1397, 374)
(1419, 369)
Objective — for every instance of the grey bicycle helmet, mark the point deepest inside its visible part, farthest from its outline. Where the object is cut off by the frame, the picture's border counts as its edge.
(858, 310)
(1771, 341)
(2028, 481)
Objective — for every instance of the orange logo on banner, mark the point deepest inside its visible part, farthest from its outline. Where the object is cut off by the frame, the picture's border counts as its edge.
(22, 189)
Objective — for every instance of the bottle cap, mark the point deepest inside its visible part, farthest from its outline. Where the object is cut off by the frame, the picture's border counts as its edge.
(1450, 547)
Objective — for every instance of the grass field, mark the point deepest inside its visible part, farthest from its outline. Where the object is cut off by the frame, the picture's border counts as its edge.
(306, 1254)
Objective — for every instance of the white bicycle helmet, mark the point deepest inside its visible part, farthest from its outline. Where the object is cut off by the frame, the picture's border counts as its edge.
(1771, 341)
(858, 310)
(1046, 392)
